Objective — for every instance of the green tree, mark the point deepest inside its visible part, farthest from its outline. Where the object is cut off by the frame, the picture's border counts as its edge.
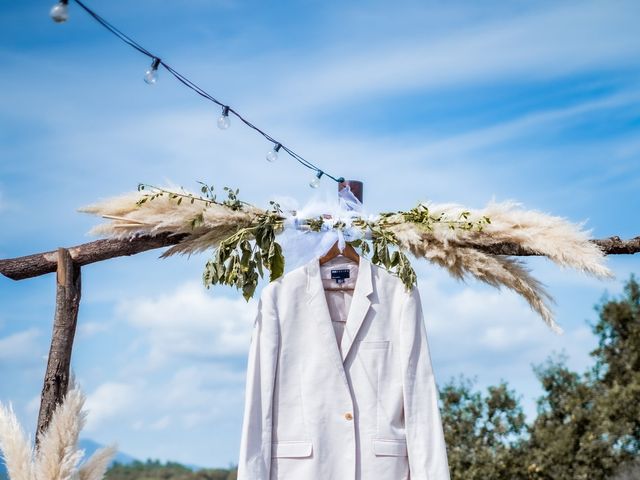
(587, 425)
(482, 431)
(155, 470)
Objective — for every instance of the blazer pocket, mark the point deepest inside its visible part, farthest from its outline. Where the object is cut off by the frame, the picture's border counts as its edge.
(374, 344)
(390, 446)
(291, 448)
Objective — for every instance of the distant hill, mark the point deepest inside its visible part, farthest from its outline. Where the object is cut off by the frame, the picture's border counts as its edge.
(91, 446)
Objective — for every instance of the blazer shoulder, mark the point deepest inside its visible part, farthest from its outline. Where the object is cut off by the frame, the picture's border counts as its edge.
(286, 282)
(393, 285)
(385, 277)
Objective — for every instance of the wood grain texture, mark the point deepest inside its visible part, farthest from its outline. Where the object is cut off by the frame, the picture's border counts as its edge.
(56, 379)
(40, 263)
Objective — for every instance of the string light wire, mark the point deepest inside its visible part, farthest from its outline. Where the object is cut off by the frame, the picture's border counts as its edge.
(200, 91)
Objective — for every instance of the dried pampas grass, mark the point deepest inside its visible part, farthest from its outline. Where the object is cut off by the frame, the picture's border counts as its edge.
(564, 243)
(58, 455)
(455, 249)
(15, 446)
(492, 269)
(212, 224)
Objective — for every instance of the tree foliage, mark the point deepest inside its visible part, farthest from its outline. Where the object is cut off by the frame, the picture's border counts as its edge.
(155, 470)
(482, 432)
(587, 425)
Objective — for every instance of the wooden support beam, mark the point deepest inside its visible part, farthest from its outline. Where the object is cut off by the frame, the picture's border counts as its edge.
(56, 379)
(40, 263)
(610, 246)
(616, 246)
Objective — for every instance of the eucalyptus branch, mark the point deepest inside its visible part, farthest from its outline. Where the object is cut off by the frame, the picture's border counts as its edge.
(240, 259)
(232, 200)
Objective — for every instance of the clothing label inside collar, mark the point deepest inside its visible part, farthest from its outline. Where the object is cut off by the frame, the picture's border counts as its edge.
(339, 275)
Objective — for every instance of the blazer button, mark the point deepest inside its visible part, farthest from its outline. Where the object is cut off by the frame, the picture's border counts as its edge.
(348, 416)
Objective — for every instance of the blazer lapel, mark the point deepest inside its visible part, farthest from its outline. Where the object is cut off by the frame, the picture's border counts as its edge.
(360, 305)
(319, 311)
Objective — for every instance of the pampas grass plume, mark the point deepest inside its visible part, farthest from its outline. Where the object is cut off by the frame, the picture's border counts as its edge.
(57, 456)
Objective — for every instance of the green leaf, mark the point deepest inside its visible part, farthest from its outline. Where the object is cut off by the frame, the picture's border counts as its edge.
(395, 259)
(276, 261)
(258, 260)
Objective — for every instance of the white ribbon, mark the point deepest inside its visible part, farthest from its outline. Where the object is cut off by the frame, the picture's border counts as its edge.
(300, 246)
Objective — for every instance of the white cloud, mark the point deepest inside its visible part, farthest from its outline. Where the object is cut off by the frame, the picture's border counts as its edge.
(161, 423)
(111, 400)
(531, 44)
(21, 347)
(475, 320)
(491, 334)
(88, 329)
(33, 405)
(137, 425)
(544, 119)
(485, 155)
(190, 322)
(200, 395)
(191, 396)
(537, 45)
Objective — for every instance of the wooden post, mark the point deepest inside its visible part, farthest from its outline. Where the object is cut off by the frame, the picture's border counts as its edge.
(356, 187)
(56, 379)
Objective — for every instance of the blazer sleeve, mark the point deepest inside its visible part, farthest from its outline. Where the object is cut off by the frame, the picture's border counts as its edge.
(423, 425)
(255, 445)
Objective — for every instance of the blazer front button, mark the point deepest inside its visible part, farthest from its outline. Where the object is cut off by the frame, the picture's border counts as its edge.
(348, 416)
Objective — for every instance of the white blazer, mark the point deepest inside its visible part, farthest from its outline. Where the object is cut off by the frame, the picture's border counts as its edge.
(365, 411)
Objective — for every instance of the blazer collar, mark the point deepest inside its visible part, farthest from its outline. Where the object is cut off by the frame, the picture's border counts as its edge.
(360, 304)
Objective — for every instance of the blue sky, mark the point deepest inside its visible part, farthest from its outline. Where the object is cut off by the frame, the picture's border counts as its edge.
(464, 102)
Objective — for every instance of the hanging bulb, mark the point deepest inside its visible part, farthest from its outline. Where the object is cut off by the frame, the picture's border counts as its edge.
(151, 75)
(315, 182)
(223, 119)
(60, 11)
(272, 156)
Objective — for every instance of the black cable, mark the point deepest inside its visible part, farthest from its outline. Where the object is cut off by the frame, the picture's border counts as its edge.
(200, 91)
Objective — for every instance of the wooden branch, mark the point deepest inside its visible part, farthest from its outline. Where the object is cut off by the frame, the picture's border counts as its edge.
(616, 246)
(40, 263)
(610, 246)
(56, 379)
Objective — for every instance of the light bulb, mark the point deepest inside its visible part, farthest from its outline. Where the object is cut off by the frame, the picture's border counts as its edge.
(223, 119)
(60, 11)
(315, 181)
(272, 156)
(151, 75)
